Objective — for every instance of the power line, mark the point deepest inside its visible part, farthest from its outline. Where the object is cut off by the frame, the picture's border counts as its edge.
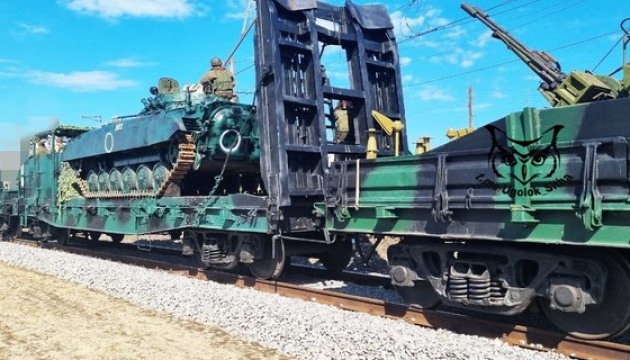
(246, 68)
(608, 53)
(507, 62)
(454, 22)
(572, 4)
(462, 73)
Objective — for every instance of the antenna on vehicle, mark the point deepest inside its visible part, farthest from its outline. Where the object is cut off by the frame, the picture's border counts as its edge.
(96, 118)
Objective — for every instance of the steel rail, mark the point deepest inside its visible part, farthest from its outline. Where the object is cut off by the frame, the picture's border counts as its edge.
(518, 335)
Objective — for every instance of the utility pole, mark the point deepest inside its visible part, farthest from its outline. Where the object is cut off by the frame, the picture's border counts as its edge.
(453, 134)
(244, 30)
(470, 107)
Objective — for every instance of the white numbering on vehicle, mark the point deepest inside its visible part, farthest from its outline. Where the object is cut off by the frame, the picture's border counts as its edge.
(109, 142)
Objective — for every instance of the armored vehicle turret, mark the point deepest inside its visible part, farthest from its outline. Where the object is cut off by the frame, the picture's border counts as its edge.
(558, 88)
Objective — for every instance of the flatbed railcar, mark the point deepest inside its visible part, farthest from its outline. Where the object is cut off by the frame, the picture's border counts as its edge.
(238, 181)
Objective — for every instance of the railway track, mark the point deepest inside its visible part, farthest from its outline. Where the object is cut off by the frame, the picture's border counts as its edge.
(522, 336)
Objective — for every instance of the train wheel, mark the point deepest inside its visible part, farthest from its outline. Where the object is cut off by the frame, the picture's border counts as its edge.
(269, 267)
(338, 256)
(94, 235)
(117, 238)
(61, 235)
(421, 294)
(4, 234)
(609, 318)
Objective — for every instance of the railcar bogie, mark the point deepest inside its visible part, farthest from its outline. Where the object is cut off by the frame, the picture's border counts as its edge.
(583, 292)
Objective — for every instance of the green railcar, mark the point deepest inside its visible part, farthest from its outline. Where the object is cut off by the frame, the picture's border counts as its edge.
(532, 207)
(237, 181)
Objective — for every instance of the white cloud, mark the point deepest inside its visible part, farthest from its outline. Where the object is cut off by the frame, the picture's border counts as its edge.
(429, 43)
(469, 57)
(457, 56)
(455, 33)
(430, 92)
(136, 8)
(482, 39)
(32, 29)
(128, 62)
(498, 94)
(81, 81)
(405, 60)
(236, 9)
(403, 25)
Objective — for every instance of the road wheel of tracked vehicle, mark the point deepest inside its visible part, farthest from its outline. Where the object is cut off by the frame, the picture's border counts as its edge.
(115, 180)
(421, 295)
(338, 256)
(103, 181)
(171, 156)
(117, 238)
(92, 181)
(129, 182)
(269, 267)
(160, 175)
(609, 318)
(144, 177)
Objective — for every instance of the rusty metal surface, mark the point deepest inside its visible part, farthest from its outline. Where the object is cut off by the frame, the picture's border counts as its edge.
(513, 334)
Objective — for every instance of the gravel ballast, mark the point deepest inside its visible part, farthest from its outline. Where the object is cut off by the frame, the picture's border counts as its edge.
(294, 327)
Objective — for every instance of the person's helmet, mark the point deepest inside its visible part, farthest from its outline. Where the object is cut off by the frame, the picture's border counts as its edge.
(216, 62)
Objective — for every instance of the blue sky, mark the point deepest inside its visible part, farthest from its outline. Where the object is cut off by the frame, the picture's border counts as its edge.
(74, 59)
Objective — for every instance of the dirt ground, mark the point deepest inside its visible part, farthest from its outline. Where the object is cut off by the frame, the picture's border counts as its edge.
(42, 317)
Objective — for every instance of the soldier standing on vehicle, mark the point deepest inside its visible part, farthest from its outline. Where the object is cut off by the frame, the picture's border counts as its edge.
(219, 81)
(42, 147)
(325, 80)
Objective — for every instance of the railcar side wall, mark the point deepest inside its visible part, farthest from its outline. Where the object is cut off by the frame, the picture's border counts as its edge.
(552, 176)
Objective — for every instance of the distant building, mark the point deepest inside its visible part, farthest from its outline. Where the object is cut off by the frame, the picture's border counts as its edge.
(9, 166)
(24, 145)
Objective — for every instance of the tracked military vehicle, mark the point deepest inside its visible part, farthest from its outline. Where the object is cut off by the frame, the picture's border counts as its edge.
(179, 138)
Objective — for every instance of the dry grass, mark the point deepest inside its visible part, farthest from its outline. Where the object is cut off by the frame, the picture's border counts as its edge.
(42, 317)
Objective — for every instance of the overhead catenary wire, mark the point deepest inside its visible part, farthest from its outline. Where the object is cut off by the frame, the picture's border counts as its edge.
(572, 4)
(507, 62)
(457, 22)
(606, 55)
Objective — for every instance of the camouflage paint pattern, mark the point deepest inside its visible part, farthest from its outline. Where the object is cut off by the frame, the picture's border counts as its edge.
(38, 189)
(555, 175)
